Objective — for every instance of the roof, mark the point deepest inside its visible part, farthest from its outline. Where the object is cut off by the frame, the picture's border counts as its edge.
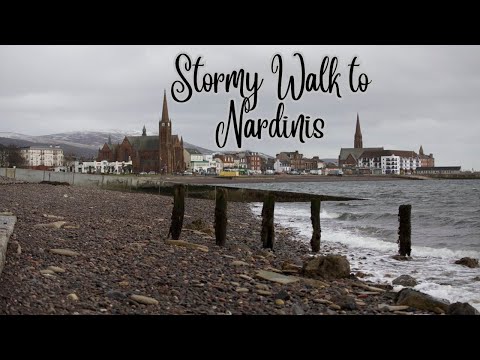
(379, 153)
(193, 151)
(144, 142)
(356, 152)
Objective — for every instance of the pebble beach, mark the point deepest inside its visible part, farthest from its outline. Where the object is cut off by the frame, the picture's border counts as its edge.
(88, 251)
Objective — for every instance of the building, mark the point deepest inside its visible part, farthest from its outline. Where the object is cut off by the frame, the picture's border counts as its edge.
(254, 161)
(42, 156)
(162, 153)
(425, 160)
(103, 167)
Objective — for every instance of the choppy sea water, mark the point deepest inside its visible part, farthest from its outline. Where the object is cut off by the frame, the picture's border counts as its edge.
(445, 228)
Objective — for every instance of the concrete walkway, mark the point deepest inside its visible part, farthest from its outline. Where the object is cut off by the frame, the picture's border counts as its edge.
(7, 223)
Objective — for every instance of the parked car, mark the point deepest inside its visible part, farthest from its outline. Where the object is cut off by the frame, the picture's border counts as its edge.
(187, 173)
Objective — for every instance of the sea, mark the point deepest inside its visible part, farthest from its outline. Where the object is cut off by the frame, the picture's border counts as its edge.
(445, 228)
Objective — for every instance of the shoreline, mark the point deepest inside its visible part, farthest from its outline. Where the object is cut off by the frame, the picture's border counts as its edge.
(120, 252)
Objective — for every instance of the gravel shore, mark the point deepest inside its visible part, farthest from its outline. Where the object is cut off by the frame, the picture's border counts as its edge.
(90, 251)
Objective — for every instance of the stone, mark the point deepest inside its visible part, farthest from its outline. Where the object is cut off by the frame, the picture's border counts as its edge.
(327, 267)
(419, 300)
(187, 245)
(297, 310)
(322, 301)
(264, 292)
(459, 308)
(315, 283)
(53, 216)
(242, 290)
(468, 262)
(345, 302)
(234, 283)
(56, 269)
(71, 227)
(65, 252)
(124, 283)
(276, 277)
(144, 299)
(282, 294)
(114, 294)
(245, 277)
(334, 307)
(262, 286)
(6, 213)
(279, 302)
(239, 263)
(393, 307)
(19, 249)
(51, 272)
(53, 225)
(405, 280)
(72, 296)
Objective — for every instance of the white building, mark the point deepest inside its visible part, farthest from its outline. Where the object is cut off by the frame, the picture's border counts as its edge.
(390, 161)
(103, 167)
(43, 156)
(281, 166)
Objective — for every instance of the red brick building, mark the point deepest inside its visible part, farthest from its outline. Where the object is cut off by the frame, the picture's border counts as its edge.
(161, 153)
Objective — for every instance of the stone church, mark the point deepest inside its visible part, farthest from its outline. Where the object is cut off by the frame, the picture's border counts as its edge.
(161, 153)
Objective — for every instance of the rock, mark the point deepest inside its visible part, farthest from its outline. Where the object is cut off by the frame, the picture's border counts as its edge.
(19, 249)
(289, 267)
(239, 263)
(245, 277)
(279, 302)
(71, 227)
(114, 294)
(405, 280)
(144, 299)
(469, 262)
(419, 300)
(65, 252)
(360, 303)
(322, 301)
(54, 225)
(459, 308)
(234, 283)
(56, 269)
(345, 302)
(262, 286)
(334, 307)
(72, 296)
(187, 244)
(242, 290)
(275, 277)
(283, 295)
(264, 292)
(297, 310)
(6, 213)
(53, 217)
(476, 278)
(44, 272)
(393, 307)
(327, 267)
(123, 283)
(315, 283)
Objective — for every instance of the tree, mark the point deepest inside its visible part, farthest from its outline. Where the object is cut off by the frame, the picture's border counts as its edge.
(11, 156)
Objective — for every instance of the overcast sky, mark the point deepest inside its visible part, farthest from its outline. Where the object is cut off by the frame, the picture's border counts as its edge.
(419, 95)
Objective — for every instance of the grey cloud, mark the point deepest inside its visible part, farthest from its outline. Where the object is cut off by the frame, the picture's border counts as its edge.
(420, 95)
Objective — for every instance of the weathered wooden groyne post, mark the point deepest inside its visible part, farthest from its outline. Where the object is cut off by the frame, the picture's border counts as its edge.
(404, 230)
(315, 217)
(220, 216)
(178, 211)
(267, 233)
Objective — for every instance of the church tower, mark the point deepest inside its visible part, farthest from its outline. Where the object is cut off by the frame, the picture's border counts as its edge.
(420, 152)
(165, 134)
(358, 143)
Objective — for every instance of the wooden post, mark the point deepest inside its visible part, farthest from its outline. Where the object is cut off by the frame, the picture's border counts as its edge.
(404, 230)
(268, 234)
(220, 216)
(178, 211)
(316, 234)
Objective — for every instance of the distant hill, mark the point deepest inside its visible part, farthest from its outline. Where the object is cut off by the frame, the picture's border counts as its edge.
(67, 149)
(80, 143)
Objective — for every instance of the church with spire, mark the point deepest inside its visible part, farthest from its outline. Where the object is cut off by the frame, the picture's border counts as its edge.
(162, 153)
